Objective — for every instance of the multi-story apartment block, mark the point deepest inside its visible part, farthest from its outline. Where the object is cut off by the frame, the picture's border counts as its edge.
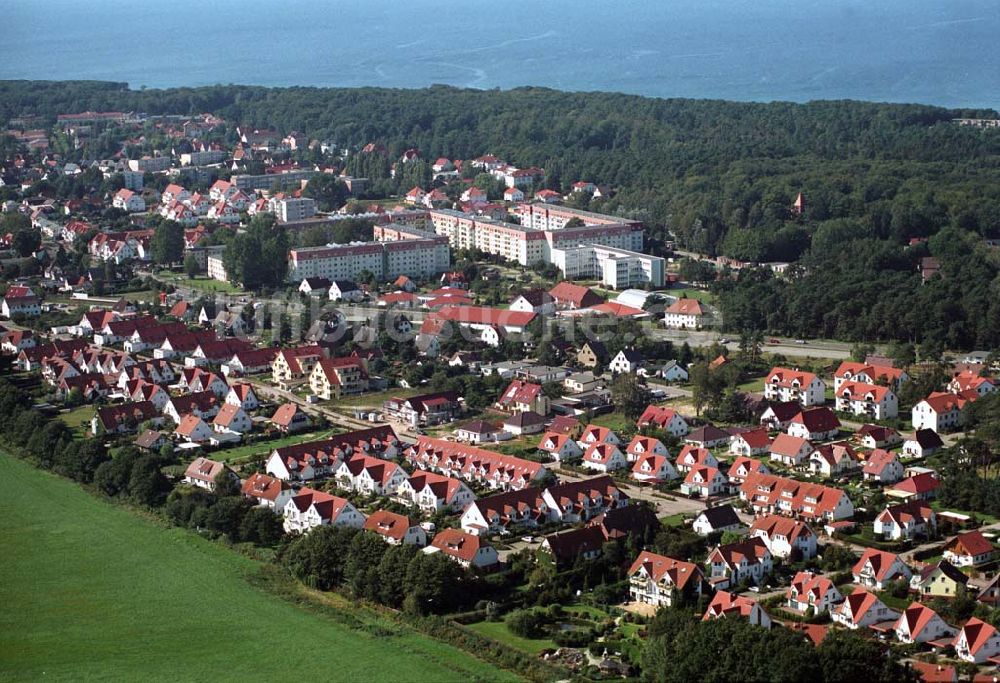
(413, 257)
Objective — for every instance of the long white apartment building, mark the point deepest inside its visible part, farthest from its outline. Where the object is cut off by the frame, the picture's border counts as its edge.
(605, 247)
(414, 256)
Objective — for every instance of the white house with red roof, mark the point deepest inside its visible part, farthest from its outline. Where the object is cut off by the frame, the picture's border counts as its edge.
(920, 624)
(704, 482)
(767, 493)
(396, 529)
(834, 459)
(522, 396)
(193, 429)
(654, 469)
(267, 491)
(232, 420)
(593, 434)
(470, 463)
(468, 550)
(663, 418)
(977, 642)
(751, 442)
(730, 605)
(513, 194)
(130, 201)
(505, 512)
(814, 424)
(432, 492)
(310, 508)
(785, 537)
(969, 549)
(882, 466)
(968, 380)
(603, 457)
(692, 456)
(879, 568)
(922, 486)
(369, 476)
(940, 412)
(905, 520)
(560, 447)
(242, 395)
(868, 373)
(789, 450)
(641, 446)
(685, 314)
(812, 590)
(742, 467)
(804, 388)
(869, 400)
(661, 581)
(582, 500)
(862, 609)
(204, 473)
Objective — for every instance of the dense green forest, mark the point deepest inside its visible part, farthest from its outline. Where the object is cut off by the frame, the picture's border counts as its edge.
(718, 176)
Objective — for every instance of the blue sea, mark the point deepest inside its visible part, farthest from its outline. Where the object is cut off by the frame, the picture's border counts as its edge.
(943, 52)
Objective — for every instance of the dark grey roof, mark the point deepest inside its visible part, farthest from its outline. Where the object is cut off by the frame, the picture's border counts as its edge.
(722, 516)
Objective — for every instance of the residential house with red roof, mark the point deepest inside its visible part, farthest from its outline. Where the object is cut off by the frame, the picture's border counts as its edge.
(505, 512)
(242, 395)
(970, 381)
(704, 482)
(432, 492)
(232, 420)
(667, 419)
(560, 447)
(290, 418)
(396, 529)
(570, 296)
(750, 443)
(868, 373)
(883, 467)
(809, 590)
(920, 624)
(425, 409)
(336, 377)
(692, 456)
(603, 457)
(868, 400)
(730, 605)
(685, 314)
(834, 459)
(267, 491)
(204, 473)
(310, 508)
(922, 486)
(641, 446)
(788, 385)
(470, 463)
(742, 467)
(768, 493)
(470, 551)
(653, 469)
(193, 429)
(579, 501)
(940, 412)
(878, 568)
(779, 414)
(522, 396)
(814, 424)
(745, 561)
(791, 451)
(662, 581)
(904, 521)
(862, 609)
(785, 537)
(969, 549)
(977, 642)
(369, 476)
(123, 418)
(321, 458)
(249, 362)
(877, 436)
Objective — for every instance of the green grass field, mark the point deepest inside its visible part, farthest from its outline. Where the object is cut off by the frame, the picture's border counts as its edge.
(79, 418)
(203, 284)
(498, 631)
(93, 591)
(264, 447)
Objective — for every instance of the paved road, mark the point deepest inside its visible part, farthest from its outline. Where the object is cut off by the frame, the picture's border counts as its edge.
(787, 347)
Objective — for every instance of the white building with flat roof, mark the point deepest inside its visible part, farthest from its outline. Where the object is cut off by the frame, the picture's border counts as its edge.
(615, 268)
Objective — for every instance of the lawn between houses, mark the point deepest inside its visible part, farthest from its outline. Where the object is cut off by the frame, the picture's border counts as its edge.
(91, 590)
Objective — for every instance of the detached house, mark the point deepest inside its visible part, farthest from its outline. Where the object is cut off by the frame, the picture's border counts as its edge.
(878, 568)
(603, 457)
(560, 447)
(868, 400)
(977, 642)
(883, 467)
(905, 521)
(627, 362)
(663, 581)
(704, 482)
(242, 396)
(654, 469)
(790, 451)
(310, 508)
(731, 605)
(747, 561)
(336, 377)
(750, 443)
(834, 459)
(691, 457)
(809, 590)
(862, 609)
(939, 412)
(193, 429)
(969, 549)
(521, 396)
(785, 537)
(814, 424)
(804, 388)
(924, 442)
(940, 580)
(666, 419)
(396, 529)
(204, 473)
(717, 519)
(267, 491)
(685, 314)
(469, 551)
(232, 419)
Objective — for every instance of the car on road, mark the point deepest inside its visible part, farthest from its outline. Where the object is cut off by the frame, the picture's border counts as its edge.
(800, 341)
(724, 340)
(772, 340)
(528, 539)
